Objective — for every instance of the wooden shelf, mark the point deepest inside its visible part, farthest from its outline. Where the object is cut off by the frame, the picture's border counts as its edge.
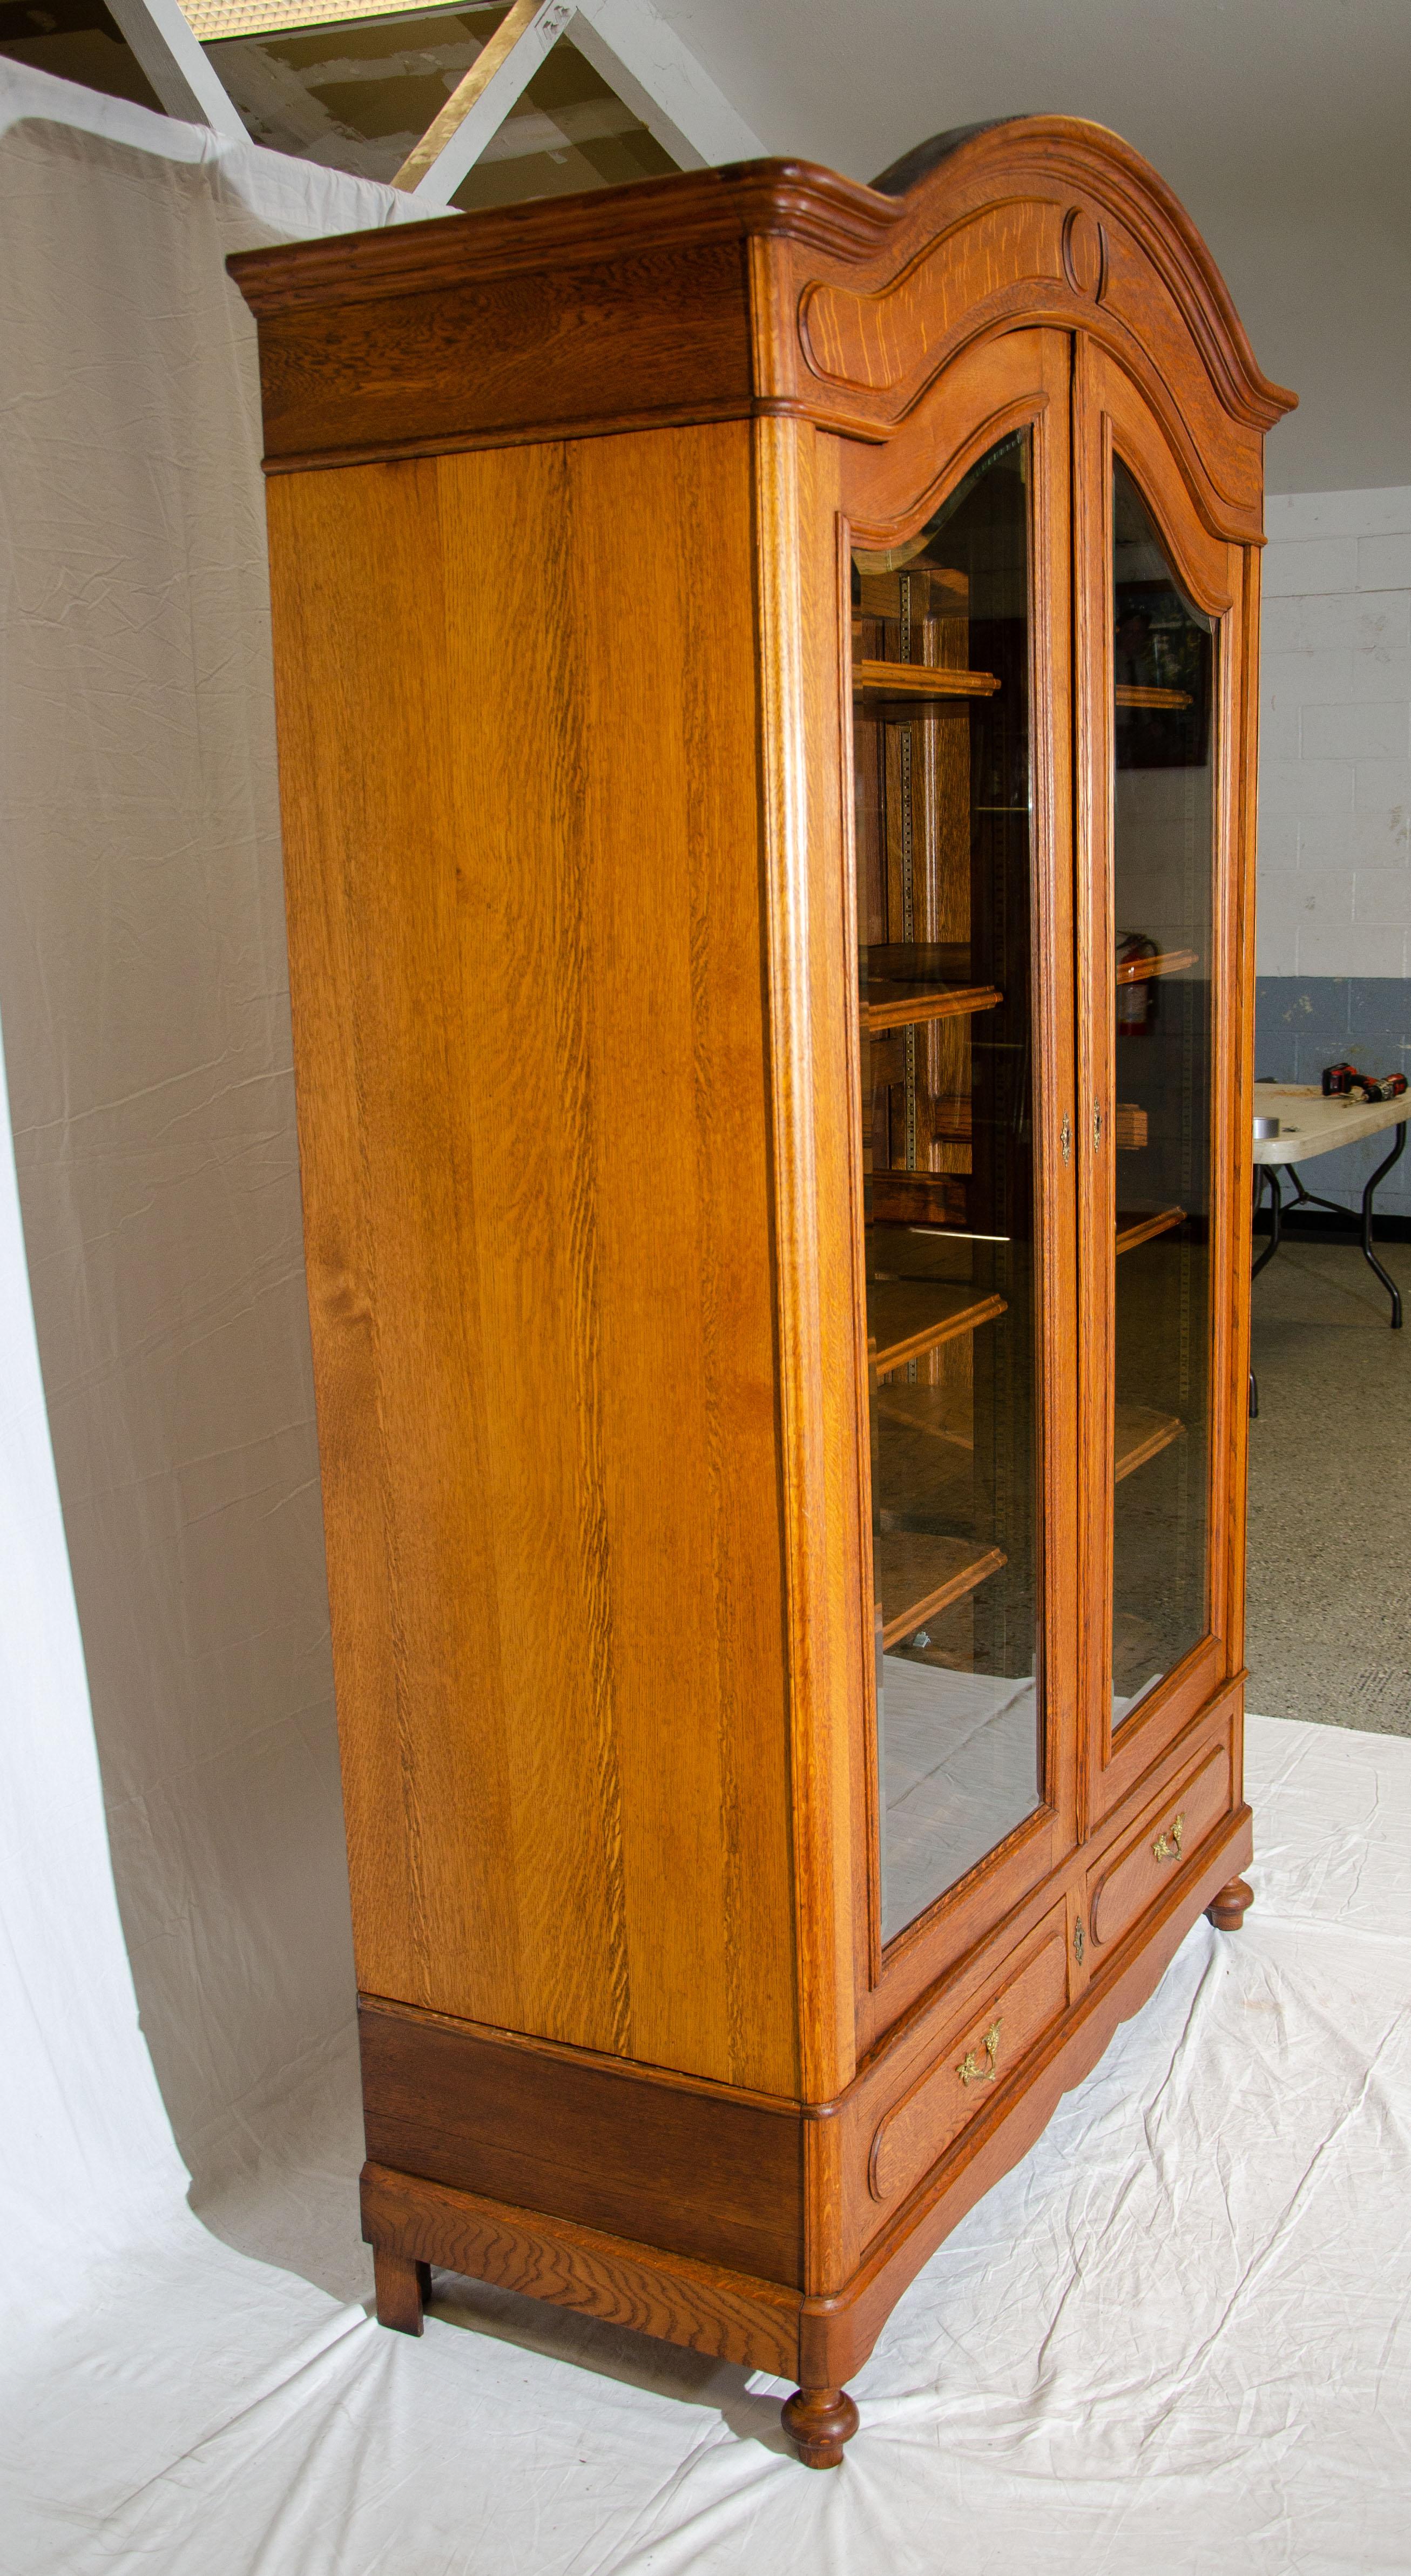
(908, 1317)
(918, 1576)
(919, 1198)
(1169, 961)
(1132, 693)
(903, 1006)
(1132, 1230)
(921, 681)
(1141, 1434)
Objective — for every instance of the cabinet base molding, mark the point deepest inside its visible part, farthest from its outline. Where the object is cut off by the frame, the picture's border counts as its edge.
(412, 2222)
(691, 2168)
(698, 2305)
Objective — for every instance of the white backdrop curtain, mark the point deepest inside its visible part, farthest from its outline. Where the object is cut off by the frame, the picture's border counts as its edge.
(143, 1000)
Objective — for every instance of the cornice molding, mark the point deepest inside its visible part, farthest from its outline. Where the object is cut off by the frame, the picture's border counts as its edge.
(789, 200)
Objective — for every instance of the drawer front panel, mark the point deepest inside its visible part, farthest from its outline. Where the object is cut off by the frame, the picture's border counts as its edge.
(1168, 1834)
(993, 2040)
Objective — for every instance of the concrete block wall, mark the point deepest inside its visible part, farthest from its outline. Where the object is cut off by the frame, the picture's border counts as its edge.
(1334, 884)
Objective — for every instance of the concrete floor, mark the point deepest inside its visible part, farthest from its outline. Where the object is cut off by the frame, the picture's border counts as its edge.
(1329, 1604)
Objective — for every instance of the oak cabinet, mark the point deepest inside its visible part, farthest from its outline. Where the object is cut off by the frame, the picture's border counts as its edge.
(765, 673)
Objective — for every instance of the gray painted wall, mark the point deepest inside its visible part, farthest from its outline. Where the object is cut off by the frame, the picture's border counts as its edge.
(1334, 950)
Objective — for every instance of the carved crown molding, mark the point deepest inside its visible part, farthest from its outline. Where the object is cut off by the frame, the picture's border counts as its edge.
(769, 287)
(1047, 217)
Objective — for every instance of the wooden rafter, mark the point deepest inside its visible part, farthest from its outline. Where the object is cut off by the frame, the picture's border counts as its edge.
(653, 73)
(642, 59)
(478, 106)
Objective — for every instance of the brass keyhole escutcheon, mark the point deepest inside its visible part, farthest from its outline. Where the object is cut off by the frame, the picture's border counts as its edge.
(1168, 1846)
(1079, 1938)
(970, 2070)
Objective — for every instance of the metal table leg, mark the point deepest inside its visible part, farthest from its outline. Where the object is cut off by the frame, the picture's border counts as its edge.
(1270, 1173)
(1368, 1195)
(1304, 1197)
(1311, 1198)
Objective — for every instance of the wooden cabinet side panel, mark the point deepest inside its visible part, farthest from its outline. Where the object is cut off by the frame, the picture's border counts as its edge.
(517, 723)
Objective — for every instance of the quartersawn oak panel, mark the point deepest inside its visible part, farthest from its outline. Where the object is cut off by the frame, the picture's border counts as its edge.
(692, 2172)
(702, 2306)
(540, 1276)
(881, 343)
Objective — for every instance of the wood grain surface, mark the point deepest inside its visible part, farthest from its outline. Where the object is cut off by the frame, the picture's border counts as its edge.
(566, 737)
(1167, 1837)
(559, 1658)
(989, 2047)
(695, 2172)
(775, 288)
(701, 2306)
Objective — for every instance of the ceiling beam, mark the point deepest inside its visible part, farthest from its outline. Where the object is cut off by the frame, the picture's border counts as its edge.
(654, 74)
(640, 57)
(172, 58)
(477, 108)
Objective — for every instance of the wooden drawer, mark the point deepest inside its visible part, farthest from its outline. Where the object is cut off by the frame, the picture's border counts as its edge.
(1155, 1850)
(960, 2074)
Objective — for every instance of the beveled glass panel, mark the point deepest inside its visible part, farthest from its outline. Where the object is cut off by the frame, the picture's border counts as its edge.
(1163, 875)
(941, 729)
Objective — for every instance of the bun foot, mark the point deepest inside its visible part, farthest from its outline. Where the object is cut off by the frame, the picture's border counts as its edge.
(1230, 1906)
(818, 2422)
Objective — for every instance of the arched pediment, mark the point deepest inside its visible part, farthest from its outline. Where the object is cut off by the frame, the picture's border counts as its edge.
(1041, 219)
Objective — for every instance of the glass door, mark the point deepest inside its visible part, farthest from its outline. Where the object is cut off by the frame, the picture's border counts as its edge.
(1164, 734)
(956, 1089)
(1162, 626)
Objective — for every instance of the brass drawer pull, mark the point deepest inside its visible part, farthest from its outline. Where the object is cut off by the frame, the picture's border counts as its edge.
(1168, 1846)
(970, 2067)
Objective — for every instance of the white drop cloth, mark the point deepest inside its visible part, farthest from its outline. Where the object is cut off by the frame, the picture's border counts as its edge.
(1175, 2340)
